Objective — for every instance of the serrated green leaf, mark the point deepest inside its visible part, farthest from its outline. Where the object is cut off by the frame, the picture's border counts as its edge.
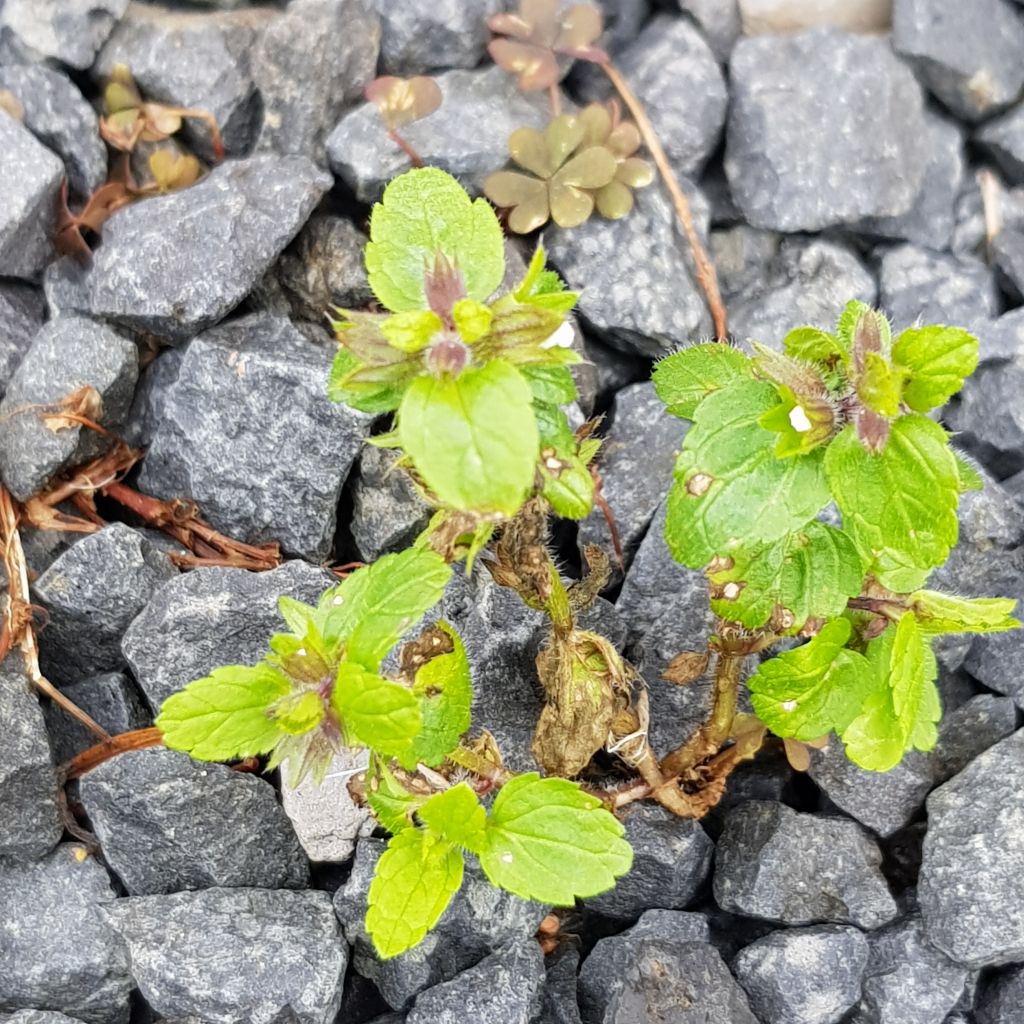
(898, 505)
(815, 689)
(425, 213)
(375, 712)
(225, 715)
(970, 478)
(548, 840)
(391, 803)
(456, 815)
(366, 397)
(945, 613)
(815, 345)
(879, 385)
(939, 359)
(297, 615)
(552, 385)
(851, 317)
(567, 484)
(730, 488)
(473, 438)
(807, 574)
(416, 877)
(685, 378)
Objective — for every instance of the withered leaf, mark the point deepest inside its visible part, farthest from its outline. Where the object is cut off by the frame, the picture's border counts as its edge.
(686, 668)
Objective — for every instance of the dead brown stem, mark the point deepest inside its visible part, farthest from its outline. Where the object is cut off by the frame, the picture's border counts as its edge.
(136, 739)
(406, 146)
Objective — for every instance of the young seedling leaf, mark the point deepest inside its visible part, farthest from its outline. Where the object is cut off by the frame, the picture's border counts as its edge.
(685, 378)
(945, 613)
(816, 346)
(375, 712)
(939, 360)
(416, 877)
(392, 804)
(547, 840)
(374, 397)
(226, 714)
(457, 816)
(552, 385)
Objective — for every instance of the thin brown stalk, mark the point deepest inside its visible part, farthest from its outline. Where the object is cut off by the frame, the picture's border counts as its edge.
(136, 739)
(406, 146)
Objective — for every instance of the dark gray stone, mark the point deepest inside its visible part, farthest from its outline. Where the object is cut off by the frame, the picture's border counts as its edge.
(780, 865)
(504, 988)
(57, 948)
(21, 315)
(167, 823)
(236, 955)
(193, 59)
(387, 509)
(304, 85)
(211, 617)
(1000, 340)
(111, 699)
(249, 414)
(719, 20)
(623, 19)
(481, 919)
(29, 820)
(32, 177)
(558, 999)
(1003, 137)
(671, 860)
(70, 31)
(467, 136)
(971, 887)
(215, 240)
(856, 164)
(803, 975)
(149, 407)
(1002, 999)
(968, 56)
(970, 236)
(1008, 256)
(997, 441)
(636, 460)
(417, 38)
(656, 307)
(91, 593)
(67, 354)
(58, 115)
(937, 288)
(37, 1017)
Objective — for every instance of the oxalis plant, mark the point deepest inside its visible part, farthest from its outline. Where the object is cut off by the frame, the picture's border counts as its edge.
(476, 381)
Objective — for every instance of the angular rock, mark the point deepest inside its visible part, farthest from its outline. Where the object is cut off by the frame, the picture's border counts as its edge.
(558, 999)
(149, 407)
(997, 441)
(857, 165)
(32, 177)
(1003, 137)
(719, 20)
(30, 823)
(71, 31)
(211, 617)
(623, 19)
(418, 38)
(771, 16)
(467, 136)
(971, 887)
(1008, 255)
(803, 975)
(279, 954)
(387, 510)
(654, 308)
(66, 355)
(57, 948)
(969, 57)
(22, 310)
(215, 240)
(58, 115)
(1002, 339)
(91, 593)
(167, 823)
(110, 698)
(304, 85)
(249, 410)
(504, 988)
(780, 865)
(480, 920)
(1001, 999)
(671, 860)
(636, 461)
(38, 1017)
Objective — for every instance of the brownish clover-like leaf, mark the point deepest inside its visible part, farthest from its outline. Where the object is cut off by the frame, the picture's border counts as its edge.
(172, 170)
(400, 101)
(603, 126)
(538, 33)
(564, 173)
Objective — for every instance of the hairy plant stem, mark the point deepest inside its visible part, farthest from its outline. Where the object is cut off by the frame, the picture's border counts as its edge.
(706, 276)
(406, 146)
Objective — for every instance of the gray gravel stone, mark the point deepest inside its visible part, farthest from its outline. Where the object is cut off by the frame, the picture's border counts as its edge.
(29, 820)
(656, 307)
(968, 56)
(803, 975)
(558, 1000)
(1008, 256)
(480, 920)
(417, 38)
(211, 617)
(786, 178)
(780, 865)
(167, 823)
(91, 593)
(249, 413)
(1001, 339)
(67, 354)
(971, 887)
(504, 988)
(21, 315)
(719, 20)
(387, 510)
(279, 955)
(58, 115)
(71, 31)
(467, 136)
(32, 177)
(215, 240)
(1002, 999)
(57, 948)
(997, 441)
(304, 85)
(37, 1017)
(1003, 137)
(149, 407)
